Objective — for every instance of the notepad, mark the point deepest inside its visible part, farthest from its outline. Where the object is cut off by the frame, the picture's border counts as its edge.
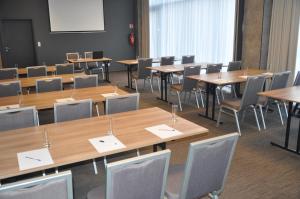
(12, 106)
(106, 143)
(33, 159)
(65, 100)
(110, 94)
(163, 131)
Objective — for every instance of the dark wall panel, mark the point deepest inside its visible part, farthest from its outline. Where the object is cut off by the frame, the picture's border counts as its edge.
(118, 14)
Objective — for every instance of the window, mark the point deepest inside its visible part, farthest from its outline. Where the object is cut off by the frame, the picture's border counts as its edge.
(298, 54)
(204, 28)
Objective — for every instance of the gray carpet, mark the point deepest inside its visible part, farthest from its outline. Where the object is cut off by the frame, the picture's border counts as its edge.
(258, 170)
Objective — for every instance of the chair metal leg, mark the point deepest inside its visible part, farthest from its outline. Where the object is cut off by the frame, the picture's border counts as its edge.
(262, 116)
(102, 71)
(256, 118)
(179, 100)
(151, 86)
(279, 111)
(105, 161)
(217, 95)
(138, 152)
(95, 167)
(197, 101)
(237, 122)
(136, 86)
(97, 109)
(158, 84)
(56, 170)
(219, 116)
(144, 84)
(285, 109)
(201, 98)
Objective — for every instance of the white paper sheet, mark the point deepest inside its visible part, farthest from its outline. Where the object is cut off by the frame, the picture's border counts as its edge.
(110, 94)
(12, 106)
(163, 131)
(106, 143)
(65, 100)
(33, 159)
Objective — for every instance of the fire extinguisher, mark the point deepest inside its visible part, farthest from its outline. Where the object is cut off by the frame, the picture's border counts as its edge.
(131, 37)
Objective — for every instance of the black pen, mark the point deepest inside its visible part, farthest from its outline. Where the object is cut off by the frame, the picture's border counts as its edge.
(33, 158)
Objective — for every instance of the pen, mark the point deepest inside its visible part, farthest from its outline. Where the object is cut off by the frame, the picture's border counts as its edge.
(33, 158)
(166, 129)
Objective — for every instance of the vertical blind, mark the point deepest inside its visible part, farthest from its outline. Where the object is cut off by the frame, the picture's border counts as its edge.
(204, 28)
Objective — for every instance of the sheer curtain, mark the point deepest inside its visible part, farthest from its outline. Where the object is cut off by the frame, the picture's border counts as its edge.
(204, 28)
(298, 54)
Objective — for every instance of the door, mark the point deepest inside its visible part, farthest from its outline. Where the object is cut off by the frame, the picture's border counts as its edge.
(17, 43)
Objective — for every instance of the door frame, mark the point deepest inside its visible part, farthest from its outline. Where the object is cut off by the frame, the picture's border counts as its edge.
(4, 65)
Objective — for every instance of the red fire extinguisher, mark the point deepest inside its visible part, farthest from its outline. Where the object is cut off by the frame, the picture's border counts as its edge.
(131, 37)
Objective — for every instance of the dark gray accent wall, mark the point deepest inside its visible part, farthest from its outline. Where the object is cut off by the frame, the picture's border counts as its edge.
(118, 14)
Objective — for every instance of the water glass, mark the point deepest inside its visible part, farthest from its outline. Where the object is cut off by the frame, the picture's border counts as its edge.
(46, 139)
(174, 112)
(110, 125)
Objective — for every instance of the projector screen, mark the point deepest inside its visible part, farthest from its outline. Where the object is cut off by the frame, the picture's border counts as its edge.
(76, 15)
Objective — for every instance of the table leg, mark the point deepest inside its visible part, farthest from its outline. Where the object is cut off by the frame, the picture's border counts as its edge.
(208, 86)
(298, 139)
(163, 87)
(213, 86)
(106, 71)
(163, 146)
(128, 75)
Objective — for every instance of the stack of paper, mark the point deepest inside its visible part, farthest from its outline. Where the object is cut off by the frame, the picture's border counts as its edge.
(163, 131)
(13, 106)
(106, 143)
(65, 100)
(110, 94)
(33, 159)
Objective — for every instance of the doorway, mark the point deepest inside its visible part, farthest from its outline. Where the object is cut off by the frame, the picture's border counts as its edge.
(17, 43)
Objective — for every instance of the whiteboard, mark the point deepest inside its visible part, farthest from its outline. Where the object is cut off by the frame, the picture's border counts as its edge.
(76, 15)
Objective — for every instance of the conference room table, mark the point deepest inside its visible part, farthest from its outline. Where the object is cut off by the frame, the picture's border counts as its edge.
(27, 82)
(50, 69)
(166, 70)
(290, 95)
(214, 80)
(69, 141)
(46, 100)
(103, 60)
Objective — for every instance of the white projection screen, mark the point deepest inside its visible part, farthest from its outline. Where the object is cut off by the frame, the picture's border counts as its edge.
(76, 15)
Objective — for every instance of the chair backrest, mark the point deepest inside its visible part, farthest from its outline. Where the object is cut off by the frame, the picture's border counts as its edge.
(142, 71)
(234, 65)
(18, 118)
(279, 80)
(57, 186)
(64, 68)
(89, 55)
(188, 59)
(297, 79)
(72, 55)
(36, 71)
(67, 111)
(86, 81)
(190, 84)
(252, 87)
(167, 60)
(207, 166)
(49, 84)
(147, 175)
(11, 88)
(213, 68)
(123, 103)
(8, 73)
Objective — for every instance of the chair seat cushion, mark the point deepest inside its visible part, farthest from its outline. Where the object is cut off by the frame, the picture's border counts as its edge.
(234, 103)
(262, 100)
(97, 193)
(175, 178)
(177, 87)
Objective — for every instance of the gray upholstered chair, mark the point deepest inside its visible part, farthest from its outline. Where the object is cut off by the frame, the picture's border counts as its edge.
(142, 177)
(234, 66)
(279, 80)
(49, 84)
(143, 73)
(205, 171)
(297, 79)
(64, 69)
(249, 100)
(93, 67)
(74, 56)
(18, 118)
(8, 73)
(36, 71)
(188, 59)
(67, 111)
(58, 186)
(123, 103)
(188, 85)
(11, 88)
(169, 60)
(86, 81)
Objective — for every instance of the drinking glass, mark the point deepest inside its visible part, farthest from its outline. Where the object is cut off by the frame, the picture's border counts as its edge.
(174, 113)
(46, 139)
(110, 125)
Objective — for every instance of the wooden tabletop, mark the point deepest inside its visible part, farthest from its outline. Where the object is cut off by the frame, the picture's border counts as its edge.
(290, 94)
(232, 77)
(47, 99)
(134, 61)
(175, 68)
(23, 71)
(69, 140)
(83, 60)
(31, 81)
